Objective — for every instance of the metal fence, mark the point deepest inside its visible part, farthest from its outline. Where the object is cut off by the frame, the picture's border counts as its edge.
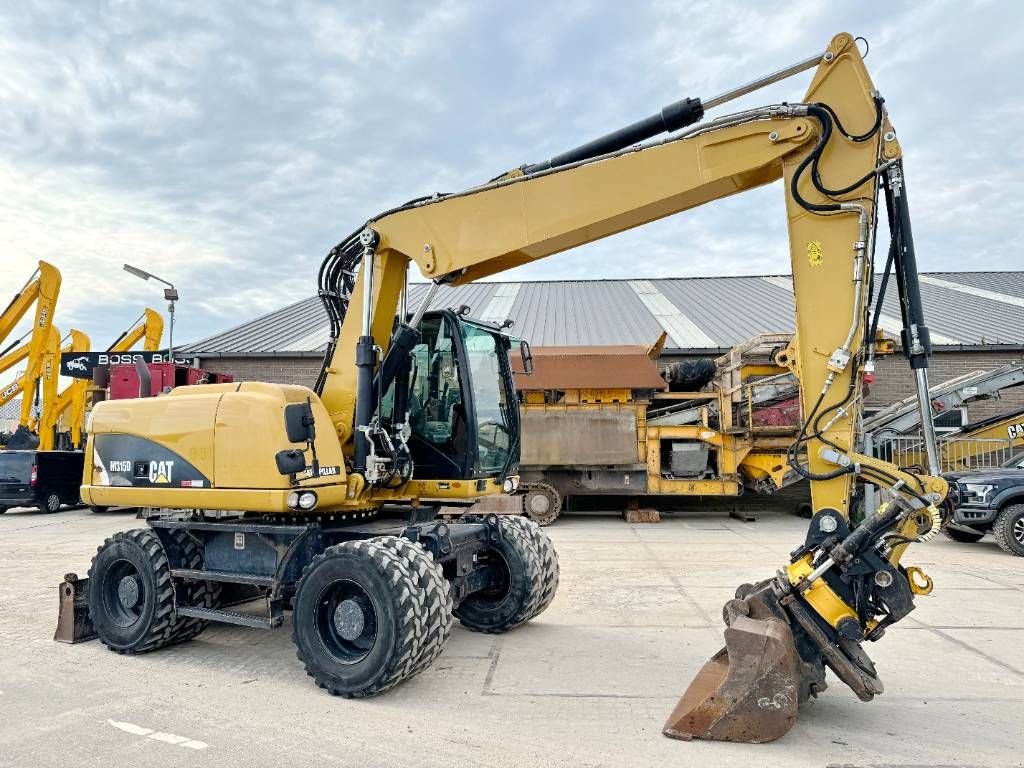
(955, 453)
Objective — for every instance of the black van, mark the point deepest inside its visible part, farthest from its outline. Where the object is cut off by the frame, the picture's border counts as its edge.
(43, 479)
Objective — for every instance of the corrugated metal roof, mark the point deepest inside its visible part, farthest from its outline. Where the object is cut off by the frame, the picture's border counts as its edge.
(979, 308)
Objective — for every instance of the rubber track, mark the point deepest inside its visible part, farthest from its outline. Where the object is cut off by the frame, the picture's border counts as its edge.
(408, 600)
(160, 628)
(549, 560)
(437, 617)
(205, 594)
(1002, 532)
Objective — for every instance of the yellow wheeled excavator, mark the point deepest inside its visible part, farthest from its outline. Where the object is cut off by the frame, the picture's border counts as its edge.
(320, 500)
(66, 412)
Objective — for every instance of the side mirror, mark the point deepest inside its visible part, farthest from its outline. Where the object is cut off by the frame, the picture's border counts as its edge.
(290, 462)
(298, 422)
(527, 355)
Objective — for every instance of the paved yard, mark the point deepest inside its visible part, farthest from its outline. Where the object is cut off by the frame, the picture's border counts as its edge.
(589, 683)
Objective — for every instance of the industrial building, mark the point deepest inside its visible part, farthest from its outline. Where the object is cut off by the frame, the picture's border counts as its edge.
(976, 319)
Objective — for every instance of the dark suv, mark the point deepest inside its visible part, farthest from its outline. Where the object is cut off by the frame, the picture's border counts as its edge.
(43, 479)
(989, 501)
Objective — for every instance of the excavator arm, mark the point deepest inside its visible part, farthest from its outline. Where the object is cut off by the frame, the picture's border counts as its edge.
(835, 152)
(42, 290)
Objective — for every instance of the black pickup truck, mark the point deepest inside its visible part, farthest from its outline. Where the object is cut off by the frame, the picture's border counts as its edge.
(989, 501)
(43, 479)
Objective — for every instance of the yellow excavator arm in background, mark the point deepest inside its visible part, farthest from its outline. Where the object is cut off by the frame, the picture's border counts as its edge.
(42, 290)
(72, 400)
(47, 362)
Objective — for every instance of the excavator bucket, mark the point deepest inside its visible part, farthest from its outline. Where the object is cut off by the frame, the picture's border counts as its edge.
(748, 691)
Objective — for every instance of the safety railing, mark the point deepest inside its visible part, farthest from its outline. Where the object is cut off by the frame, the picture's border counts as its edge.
(955, 453)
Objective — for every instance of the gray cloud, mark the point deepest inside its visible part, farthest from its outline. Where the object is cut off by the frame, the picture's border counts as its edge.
(227, 146)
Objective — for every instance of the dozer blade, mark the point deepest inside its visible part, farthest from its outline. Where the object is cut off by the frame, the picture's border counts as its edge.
(748, 692)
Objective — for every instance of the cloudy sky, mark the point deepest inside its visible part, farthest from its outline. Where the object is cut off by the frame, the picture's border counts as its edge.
(227, 146)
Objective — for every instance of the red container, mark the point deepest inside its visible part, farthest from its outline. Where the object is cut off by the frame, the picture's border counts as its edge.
(124, 379)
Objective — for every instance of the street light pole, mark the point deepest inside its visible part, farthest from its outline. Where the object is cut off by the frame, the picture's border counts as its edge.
(170, 294)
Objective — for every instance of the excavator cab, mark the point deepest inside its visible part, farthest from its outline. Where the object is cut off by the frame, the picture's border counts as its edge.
(463, 423)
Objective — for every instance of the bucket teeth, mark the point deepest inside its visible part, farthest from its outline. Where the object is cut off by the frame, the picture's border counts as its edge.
(747, 692)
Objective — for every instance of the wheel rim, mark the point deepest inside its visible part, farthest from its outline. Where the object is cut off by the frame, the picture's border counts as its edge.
(1018, 530)
(497, 591)
(53, 502)
(123, 593)
(346, 621)
(540, 504)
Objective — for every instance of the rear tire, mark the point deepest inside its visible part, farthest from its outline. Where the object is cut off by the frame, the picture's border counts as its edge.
(131, 598)
(517, 597)
(357, 619)
(1008, 529)
(51, 503)
(548, 557)
(964, 537)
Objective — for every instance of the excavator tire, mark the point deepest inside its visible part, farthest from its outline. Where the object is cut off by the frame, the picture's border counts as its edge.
(205, 594)
(1008, 529)
(357, 620)
(542, 503)
(518, 597)
(437, 603)
(549, 560)
(131, 597)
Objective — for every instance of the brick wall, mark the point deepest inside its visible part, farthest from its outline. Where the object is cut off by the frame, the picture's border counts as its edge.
(895, 381)
(278, 370)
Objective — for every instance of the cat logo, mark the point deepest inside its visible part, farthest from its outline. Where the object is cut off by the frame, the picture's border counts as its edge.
(1015, 431)
(160, 472)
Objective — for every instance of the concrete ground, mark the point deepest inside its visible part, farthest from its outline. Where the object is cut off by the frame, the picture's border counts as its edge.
(588, 683)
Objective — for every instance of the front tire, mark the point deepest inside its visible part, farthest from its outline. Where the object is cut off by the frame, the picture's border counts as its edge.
(357, 619)
(51, 503)
(1008, 529)
(131, 598)
(964, 537)
(516, 595)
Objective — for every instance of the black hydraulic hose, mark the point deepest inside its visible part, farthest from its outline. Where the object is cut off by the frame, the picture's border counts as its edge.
(863, 136)
(881, 291)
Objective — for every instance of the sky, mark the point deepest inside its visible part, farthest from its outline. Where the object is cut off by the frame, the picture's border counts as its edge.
(228, 146)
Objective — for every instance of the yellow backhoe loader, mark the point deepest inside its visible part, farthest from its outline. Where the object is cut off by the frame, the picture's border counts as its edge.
(41, 290)
(321, 500)
(66, 413)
